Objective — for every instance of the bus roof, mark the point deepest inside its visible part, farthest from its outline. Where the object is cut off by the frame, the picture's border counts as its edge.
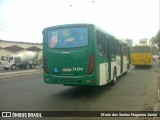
(66, 25)
(78, 24)
(141, 46)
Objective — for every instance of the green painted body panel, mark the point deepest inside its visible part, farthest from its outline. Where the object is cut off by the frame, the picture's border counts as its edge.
(70, 66)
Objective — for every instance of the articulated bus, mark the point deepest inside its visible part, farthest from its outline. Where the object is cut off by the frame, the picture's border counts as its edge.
(141, 55)
(82, 54)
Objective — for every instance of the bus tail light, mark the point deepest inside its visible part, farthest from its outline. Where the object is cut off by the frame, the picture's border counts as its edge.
(45, 65)
(91, 65)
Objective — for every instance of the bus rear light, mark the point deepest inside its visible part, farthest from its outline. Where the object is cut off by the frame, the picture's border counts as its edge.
(45, 65)
(91, 65)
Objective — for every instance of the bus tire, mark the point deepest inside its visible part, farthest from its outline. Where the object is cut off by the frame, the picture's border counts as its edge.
(114, 80)
(114, 77)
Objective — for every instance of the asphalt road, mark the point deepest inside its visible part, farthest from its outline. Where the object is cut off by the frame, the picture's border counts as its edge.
(132, 92)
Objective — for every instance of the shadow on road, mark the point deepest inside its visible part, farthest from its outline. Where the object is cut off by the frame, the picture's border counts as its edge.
(77, 92)
(143, 67)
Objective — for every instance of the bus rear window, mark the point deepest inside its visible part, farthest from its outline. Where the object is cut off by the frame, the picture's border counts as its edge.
(68, 37)
(141, 49)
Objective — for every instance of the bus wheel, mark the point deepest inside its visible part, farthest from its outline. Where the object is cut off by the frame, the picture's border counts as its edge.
(114, 77)
(114, 80)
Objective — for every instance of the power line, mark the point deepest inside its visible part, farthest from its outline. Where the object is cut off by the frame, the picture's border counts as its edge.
(12, 27)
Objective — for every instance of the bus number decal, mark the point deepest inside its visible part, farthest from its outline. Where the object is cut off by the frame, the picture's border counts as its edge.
(77, 68)
(66, 70)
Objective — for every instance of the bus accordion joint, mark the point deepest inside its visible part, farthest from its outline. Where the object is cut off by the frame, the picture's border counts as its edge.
(45, 65)
(91, 64)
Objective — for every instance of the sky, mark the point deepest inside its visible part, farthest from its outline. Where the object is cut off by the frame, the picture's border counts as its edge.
(24, 20)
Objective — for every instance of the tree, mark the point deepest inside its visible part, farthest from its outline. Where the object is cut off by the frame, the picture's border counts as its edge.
(156, 39)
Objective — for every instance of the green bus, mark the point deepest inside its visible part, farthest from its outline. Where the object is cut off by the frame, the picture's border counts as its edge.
(82, 54)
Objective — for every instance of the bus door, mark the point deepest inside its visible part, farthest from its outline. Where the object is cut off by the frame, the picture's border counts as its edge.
(121, 58)
(103, 57)
(108, 56)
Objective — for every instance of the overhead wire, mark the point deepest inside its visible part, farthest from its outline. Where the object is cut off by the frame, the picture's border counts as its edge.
(7, 27)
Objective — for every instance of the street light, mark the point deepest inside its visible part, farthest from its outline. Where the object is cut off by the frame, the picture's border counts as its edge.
(92, 1)
(81, 8)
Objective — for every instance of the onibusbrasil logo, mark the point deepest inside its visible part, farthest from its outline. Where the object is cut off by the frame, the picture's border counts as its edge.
(21, 114)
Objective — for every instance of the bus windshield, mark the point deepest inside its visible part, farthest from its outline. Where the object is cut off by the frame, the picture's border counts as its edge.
(68, 37)
(141, 49)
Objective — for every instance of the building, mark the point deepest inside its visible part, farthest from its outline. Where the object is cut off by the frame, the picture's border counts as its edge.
(14, 48)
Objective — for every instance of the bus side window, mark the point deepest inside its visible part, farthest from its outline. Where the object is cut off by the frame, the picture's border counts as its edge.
(100, 49)
(125, 50)
(118, 48)
(113, 51)
(100, 40)
(113, 47)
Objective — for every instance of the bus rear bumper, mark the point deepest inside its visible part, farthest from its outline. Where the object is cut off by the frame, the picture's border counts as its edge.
(139, 64)
(70, 80)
